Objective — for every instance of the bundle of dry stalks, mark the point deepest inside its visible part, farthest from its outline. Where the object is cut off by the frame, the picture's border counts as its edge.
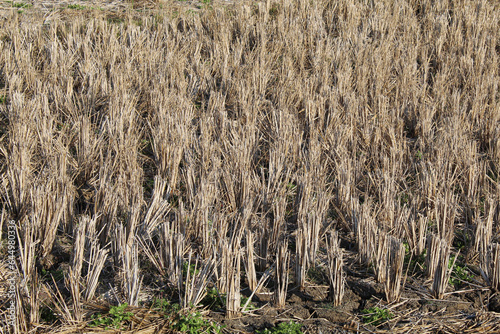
(105, 206)
(75, 271)
(431, 257)
(194, 284)
(281, 275)
(383, 182)
(335, 268)
(415, 233)
(484, 234)
(345, 177)
(19, 154)
(278, 228)
(27, 243)
(250, 262)
(225, 250)
(232, 277)
(35, 301)
(166, 254)
(313, 203)
(128, 261)
(439, 258)
(301, 261)
(23, 322)
(366, 234)
(492, 266)
(96, 259)
(159, 207)
(444, 214)
(262, 248)
(394, 269)
(51, 203)
(381, 257)
(27, 296)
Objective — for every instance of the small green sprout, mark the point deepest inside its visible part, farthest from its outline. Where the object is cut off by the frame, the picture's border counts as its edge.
(77, 7)
(376, 316)
(20, 4)
(194, 323)
(114, 319)
(283, 328)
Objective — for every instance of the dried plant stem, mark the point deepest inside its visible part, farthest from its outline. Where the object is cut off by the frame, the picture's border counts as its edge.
(97, 257)
(164, 255)
(493, 273)
(250, 262)
(394, 269)
(281, 275)
(442, 274)
(233, 298)
(432, 256)
(366, 234)
(483, 236)
(261, 282)
(301, 261)
(129, 261)
(335, 269)
(74, 279)
(97, 260)
(34, 302)
(415, 232)
(27, 246)
(196, 281)
(382, 257)
(223, 265)
(262, 248)
(158, 207)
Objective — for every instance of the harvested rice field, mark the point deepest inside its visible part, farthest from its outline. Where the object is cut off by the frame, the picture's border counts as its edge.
(304, 167)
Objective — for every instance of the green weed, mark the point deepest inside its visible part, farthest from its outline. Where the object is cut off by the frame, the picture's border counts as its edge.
(194, 323)
(329, 306)
(250, 305)
(206, 4)
(78, 7)
(213, 300)
(462, 239)
(316, 275)
(47, 315)
(414, 262)
(283, 328)
(116, 20)
(164, 306)
(56, 274)
(376, 316)
(114, 319)
(192, 269)
(191, 323)
(459, 274)
(404, 199)
(20, 4)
